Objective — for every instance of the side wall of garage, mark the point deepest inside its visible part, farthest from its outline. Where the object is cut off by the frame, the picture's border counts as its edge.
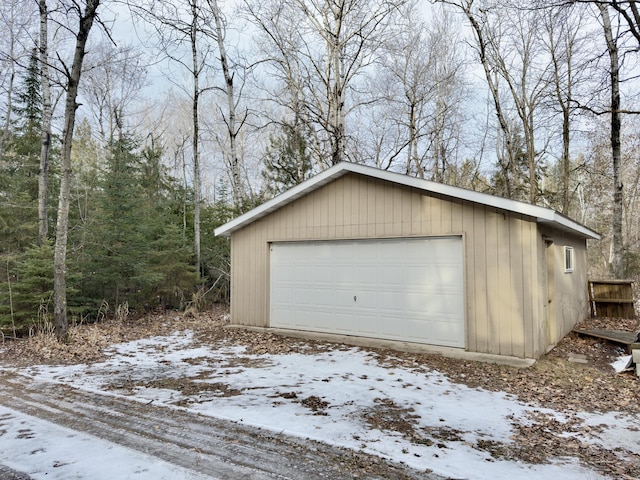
(503, 286)
(567, 289)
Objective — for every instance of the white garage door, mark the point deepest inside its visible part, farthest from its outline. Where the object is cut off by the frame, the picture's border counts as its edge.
(409, 289)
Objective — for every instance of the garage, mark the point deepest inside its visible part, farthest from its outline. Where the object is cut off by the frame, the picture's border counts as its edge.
(407, 289)
(356, 252)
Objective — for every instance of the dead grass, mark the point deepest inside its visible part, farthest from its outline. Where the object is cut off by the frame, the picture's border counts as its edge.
(87, 342)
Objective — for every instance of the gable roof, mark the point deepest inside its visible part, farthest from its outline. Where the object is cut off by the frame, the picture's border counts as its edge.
(541, 214)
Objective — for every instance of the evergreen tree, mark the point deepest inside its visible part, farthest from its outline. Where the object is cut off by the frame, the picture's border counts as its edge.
(216, 251)
(113, 245)
(25, 295)
(288, 161)
(28, 107)
(132, 250)
(19, 167)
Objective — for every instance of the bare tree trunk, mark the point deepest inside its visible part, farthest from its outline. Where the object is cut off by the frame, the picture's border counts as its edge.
(7, 122)
(493, 88)
(232, 129)
(197, 187)
(43, 173)
(566, 160)
(564, 102)
(337, 84)
(412, 143)
(614, 75)
(529, 133)
(12, 77)
(62, 227)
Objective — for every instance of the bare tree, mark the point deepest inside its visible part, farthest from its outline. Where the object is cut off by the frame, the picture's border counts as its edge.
(484, 43)
(183, 30)
(232, 122)
(86, 19)
(16, 19)
(111, 84)
(332, 42)
(615, 133)
(286, 74)
(561, 40)
(423, 67)
(45, 135)
(517, 71)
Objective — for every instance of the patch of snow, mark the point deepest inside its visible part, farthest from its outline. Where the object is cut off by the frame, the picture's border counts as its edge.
(447, 421)
(44, 450)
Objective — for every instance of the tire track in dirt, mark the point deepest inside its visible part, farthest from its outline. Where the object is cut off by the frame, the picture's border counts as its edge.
(214, 447)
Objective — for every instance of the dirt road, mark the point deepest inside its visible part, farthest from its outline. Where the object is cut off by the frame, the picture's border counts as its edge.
(207, 445)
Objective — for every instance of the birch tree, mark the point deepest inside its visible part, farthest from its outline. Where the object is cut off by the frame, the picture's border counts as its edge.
(286, 79)
(111, 85)
(517, 73)
(479, 21)
(232, 121)
(333, 42)
(47, 114)
(183, 32)
(615, 135)
(73, 72)
(424, 70)
(16, 18)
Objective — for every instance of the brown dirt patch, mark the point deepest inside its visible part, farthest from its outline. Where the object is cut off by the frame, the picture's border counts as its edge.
(387, 415)
(546, 438)
(186, 386)
(313, 402)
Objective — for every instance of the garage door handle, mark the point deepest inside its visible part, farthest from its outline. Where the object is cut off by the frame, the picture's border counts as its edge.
(355, 298)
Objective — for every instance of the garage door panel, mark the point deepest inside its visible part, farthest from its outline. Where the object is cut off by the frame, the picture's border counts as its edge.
(368, 322)
(344, 273)
(302, 296)
(367, 274)
(404, 289)
(343, 300)
(390, 275)
(390, 298)
(323, 320)
(442, 332)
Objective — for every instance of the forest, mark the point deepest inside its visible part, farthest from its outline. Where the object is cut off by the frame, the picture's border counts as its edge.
(129, 130)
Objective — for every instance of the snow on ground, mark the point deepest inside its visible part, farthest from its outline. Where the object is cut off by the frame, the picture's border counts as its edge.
(45, 450)
(341, 396)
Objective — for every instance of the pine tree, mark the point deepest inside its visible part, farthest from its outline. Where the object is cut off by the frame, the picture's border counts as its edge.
(19, 166)
(112, 252)
(133, 250)
(28, 107)
(26, 294)
(288, 161)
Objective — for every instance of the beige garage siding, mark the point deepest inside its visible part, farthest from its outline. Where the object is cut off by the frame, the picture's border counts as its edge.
(501, 271)
(568, 292)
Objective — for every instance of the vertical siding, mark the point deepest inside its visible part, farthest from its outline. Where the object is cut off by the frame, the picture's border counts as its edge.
(491, 278)
(501, 253)
(478, 256)
(570, 302)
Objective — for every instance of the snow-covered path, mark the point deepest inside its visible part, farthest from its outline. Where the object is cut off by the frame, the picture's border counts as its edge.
(93, 435)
